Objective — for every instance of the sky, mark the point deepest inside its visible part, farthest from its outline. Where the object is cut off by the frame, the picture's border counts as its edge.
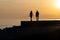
(12, 12)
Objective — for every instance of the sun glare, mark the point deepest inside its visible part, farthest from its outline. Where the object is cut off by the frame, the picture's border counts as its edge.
(58, 3)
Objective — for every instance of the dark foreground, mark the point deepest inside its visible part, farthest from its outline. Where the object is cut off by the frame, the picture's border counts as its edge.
(32, 30)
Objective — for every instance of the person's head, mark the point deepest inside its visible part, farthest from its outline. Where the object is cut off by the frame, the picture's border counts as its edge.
(37, 12)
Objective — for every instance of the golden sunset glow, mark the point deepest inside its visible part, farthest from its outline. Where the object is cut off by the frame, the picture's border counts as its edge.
(58, 3)
(19, 10)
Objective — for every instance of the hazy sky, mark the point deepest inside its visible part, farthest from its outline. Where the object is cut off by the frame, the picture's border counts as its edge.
(13, 11)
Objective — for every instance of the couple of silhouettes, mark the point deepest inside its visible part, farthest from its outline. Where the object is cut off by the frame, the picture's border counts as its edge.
(37, 16)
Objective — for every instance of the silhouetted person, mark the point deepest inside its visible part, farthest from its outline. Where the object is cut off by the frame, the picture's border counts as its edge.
(31, 14)
(37, 16)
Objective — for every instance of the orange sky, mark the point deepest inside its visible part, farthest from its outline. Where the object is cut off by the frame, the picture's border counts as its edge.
(20, 9)
(11, 9)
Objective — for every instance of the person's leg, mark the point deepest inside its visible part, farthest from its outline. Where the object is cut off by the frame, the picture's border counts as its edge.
(30, 19)
(36, 18)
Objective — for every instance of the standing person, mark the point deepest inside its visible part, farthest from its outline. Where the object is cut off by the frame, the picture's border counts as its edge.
(31, 14)
(37, 16)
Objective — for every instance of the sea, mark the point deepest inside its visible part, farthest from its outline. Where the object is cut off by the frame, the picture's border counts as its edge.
(6, 23)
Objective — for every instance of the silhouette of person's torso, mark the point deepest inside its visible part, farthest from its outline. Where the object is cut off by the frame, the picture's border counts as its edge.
(31, 14)
(37, 14)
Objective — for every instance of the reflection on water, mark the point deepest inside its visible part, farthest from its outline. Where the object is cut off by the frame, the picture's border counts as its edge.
(8, 23)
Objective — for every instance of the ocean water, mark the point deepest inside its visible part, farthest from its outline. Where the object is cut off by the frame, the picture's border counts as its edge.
(17, 22)
(9, 23)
